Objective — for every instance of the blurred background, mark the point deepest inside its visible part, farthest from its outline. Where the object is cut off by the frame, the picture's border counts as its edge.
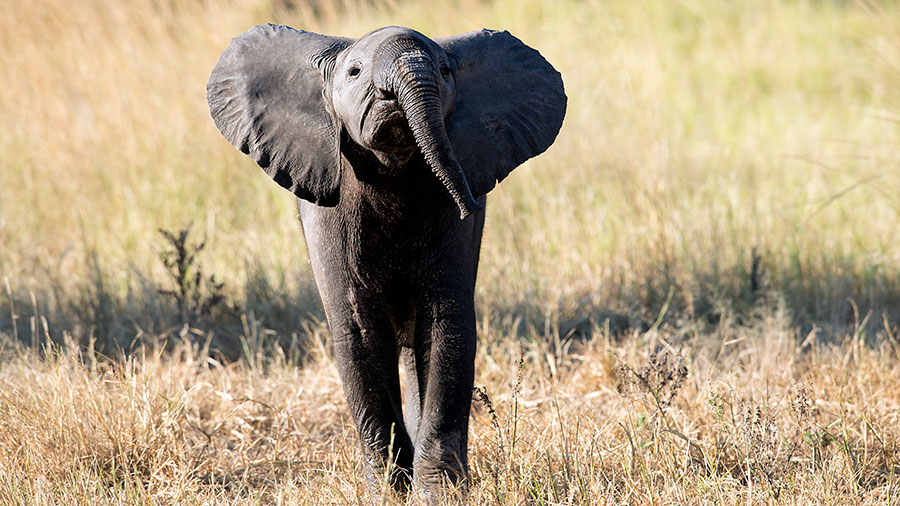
(720, 161)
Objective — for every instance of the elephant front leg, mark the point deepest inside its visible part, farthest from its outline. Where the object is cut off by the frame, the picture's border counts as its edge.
(367, 363)
(442, 437)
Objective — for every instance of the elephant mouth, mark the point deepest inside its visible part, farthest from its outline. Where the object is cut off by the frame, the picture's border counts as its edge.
(388, 127)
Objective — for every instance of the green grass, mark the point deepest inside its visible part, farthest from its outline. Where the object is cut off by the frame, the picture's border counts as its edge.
(698, 134)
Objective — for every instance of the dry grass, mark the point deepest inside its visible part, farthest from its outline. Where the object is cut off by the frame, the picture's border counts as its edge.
(750, 415)
(728, 152)
(723, 197)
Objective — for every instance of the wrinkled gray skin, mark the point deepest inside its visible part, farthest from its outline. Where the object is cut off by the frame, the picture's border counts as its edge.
(391, 142)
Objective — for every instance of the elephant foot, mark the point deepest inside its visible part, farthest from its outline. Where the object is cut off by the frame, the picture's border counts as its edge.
(446, 496)
(440, 488)
(398, 485)
(386, 479)
(441, 470)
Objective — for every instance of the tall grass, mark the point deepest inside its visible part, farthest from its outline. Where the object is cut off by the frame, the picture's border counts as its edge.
(725, 186)
(748, 417)
(701, 138)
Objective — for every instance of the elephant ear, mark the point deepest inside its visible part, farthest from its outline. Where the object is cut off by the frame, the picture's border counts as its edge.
(510, 105)
(265, 96)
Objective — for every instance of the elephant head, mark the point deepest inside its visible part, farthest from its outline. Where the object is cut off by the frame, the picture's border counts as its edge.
(475, 106)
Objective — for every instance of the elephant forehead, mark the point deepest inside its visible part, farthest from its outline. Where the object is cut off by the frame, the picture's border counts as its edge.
(367, 43)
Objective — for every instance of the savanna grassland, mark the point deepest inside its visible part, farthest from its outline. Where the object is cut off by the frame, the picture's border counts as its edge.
(692, 297)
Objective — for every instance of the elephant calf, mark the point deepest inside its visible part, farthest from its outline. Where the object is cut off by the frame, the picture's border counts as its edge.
(391, 143)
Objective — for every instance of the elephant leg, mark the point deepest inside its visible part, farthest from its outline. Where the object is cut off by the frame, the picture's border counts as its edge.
(412, 409)
(368, 365)
(415, 363)
(365, 349)
(442, 437)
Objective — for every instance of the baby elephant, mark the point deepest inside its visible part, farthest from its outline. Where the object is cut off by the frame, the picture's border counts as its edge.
(391, 142)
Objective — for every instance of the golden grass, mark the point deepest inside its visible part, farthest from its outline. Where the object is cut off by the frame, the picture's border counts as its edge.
(698, 133)
(761, 417)
(737, 163)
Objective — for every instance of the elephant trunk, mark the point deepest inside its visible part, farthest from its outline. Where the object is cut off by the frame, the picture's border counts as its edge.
(412, 76)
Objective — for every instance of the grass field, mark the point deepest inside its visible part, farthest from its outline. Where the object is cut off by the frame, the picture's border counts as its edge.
(724, 195)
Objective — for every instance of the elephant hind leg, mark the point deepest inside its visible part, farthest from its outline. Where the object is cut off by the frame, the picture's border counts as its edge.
(415, 364)
(412, 406)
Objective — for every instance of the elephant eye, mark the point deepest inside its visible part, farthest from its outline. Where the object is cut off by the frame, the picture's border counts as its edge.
(354, 71)
(445, 71)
